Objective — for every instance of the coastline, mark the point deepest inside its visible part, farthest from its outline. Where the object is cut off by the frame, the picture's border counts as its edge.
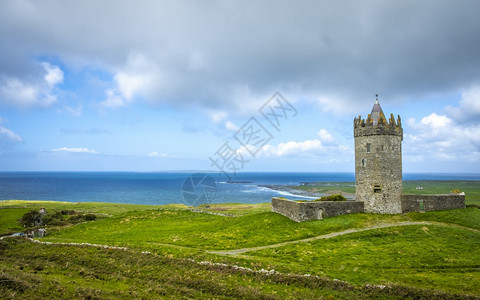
(289, 190)
(167, 188)
(292, 191)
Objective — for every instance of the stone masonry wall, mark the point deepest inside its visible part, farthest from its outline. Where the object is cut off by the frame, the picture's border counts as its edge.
(378, 165)
(305, 211)
(378, 173)
(412, 203)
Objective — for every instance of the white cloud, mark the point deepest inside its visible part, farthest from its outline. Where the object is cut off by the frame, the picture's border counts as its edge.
(54, 75)
(469, 106)
(140, 77)
(7, 136)
(30, 93)
(325, 136)
(217, 116)
(231, 126)
(75, 150)
(156, 154)
(10, 134)
(75, 111)
(113, 99)
(440, 138)
(19, 93)
(324, 146)
(130, 84)
(435, 121)
(293, 148)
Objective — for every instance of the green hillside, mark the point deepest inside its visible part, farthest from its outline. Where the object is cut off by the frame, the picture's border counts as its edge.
(240, 251)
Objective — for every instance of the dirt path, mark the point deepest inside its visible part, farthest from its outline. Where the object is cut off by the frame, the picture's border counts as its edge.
(236, 252)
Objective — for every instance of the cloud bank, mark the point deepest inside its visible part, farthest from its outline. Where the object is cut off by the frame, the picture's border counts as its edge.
(228, 55)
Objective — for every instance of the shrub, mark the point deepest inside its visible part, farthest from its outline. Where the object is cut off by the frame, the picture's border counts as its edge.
(55, 219)
(90, 217)
(28, 219)
(336, 197)
(455, 191)
(82, 218)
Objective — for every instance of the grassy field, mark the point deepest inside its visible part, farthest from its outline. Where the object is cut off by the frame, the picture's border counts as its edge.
(327, 187)
(207, 232)
(109, 209)
(9, 218)
(470, 188)
(436, 259)
(427, 256)
(33, 271)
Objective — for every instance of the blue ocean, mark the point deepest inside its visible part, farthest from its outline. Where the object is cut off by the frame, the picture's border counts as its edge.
(166, 188)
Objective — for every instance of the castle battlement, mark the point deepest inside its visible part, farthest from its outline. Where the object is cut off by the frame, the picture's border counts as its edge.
(377, 126)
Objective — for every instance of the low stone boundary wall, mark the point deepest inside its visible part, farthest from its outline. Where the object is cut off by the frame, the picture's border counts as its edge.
(305, 211)
(432, 202)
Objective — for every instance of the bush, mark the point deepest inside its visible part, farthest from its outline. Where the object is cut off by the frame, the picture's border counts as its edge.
(455, 191)
(28, 219)
(55, 218)
(82, 218)
(90, 217)
(336, 197)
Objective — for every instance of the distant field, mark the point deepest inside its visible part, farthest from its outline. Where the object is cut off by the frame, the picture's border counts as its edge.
(435, 259)
(470, 187)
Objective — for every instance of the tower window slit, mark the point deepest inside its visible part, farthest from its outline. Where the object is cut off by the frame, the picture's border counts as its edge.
(377, 188)
(368, 147)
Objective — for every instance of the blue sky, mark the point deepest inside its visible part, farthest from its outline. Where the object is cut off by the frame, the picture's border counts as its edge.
(163, 85)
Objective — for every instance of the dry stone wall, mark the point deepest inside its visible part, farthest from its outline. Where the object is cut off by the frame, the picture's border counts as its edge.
(306, 211)
(421, 203)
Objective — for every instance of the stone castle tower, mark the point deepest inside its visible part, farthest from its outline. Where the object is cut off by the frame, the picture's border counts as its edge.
(378, 162)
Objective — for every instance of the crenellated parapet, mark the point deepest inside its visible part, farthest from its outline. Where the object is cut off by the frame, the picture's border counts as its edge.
(378, 126)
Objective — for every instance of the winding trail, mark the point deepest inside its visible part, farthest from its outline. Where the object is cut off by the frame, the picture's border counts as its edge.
(238, 252)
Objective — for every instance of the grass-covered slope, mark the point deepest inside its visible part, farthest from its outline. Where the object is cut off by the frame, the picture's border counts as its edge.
(147, 229)
(436, 258)
(9, 220)
(33, 271)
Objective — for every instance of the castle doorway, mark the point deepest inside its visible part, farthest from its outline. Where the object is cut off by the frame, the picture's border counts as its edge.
(319, 214)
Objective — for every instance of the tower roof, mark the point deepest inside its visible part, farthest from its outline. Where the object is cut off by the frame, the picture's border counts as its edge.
(377, 113)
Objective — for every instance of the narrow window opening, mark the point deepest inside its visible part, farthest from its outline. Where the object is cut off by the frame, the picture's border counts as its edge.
(368, 147)
(364, 162)
(377, 188)
(381, 148)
